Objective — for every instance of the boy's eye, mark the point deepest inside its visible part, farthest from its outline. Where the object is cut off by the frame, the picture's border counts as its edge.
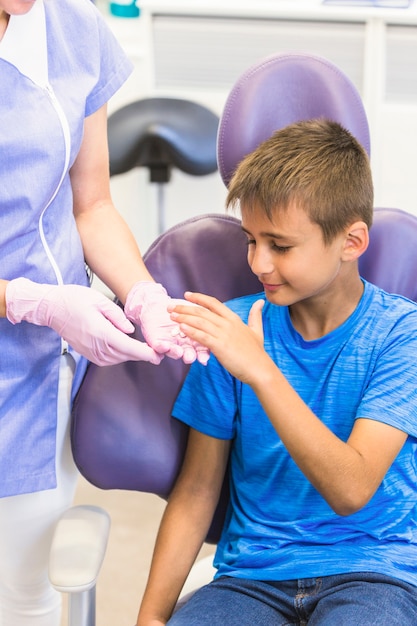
(274, 246)
(281, 249)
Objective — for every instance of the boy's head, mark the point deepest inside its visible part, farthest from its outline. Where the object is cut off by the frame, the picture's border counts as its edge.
(316, 164)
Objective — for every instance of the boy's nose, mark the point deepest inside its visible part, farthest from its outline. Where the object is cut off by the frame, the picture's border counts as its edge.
(260, 262)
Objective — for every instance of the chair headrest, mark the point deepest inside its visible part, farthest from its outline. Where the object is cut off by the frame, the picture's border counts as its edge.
(278, 91)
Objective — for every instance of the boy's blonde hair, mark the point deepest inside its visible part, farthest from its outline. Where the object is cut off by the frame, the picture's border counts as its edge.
(316, 164)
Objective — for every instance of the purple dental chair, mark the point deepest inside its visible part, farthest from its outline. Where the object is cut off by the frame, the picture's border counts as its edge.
(123, 436)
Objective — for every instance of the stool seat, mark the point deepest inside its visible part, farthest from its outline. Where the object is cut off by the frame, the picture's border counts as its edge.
(159, 133)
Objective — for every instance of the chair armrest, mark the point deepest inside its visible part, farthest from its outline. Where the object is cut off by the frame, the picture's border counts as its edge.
(78, 548)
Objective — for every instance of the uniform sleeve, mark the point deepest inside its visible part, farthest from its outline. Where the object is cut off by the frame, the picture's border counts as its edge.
(114, 69)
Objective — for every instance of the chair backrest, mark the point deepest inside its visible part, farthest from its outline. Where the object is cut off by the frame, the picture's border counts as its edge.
(391, 258)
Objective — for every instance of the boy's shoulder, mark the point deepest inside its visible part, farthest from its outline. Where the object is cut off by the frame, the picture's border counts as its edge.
(392, 302)
(385, 315)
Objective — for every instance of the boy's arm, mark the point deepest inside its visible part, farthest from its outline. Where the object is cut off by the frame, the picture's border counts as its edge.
(347, 474)
(184, 525)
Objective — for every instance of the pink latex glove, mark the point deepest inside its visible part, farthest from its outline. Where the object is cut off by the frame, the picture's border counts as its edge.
(147, 305)
(91, 323)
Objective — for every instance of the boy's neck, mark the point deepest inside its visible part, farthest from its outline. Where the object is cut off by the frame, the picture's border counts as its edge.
(316, 317)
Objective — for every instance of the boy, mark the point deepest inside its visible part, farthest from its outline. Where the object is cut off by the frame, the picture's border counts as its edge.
(311, 391)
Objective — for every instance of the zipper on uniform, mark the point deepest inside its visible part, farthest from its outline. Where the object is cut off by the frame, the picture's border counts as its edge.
(67, 142)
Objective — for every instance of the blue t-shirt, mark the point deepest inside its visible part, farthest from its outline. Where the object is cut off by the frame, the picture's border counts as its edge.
(278, 527)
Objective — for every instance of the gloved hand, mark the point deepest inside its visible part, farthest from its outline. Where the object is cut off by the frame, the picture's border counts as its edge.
(147, 305)
(91, 323)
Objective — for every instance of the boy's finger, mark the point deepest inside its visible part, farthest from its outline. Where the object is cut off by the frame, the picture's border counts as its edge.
(255, 318)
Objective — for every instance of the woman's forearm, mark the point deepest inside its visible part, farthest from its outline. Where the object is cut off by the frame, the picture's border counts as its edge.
(110, 249)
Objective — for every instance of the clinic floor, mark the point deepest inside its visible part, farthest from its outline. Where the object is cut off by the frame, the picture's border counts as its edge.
(135, 519)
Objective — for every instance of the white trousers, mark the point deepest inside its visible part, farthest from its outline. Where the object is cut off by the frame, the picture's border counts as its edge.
(26, 526)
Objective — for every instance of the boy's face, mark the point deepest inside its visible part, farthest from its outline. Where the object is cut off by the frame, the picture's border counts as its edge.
(289, 256)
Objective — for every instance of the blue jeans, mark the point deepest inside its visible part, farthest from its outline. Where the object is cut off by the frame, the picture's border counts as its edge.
(358, 599)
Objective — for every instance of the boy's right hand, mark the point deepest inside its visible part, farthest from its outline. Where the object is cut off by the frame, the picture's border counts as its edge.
(235, 344)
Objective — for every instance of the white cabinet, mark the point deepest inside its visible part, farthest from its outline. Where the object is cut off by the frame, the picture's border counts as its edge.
(196, 49)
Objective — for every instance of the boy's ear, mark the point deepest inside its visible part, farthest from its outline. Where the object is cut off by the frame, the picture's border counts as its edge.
(356, 242)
